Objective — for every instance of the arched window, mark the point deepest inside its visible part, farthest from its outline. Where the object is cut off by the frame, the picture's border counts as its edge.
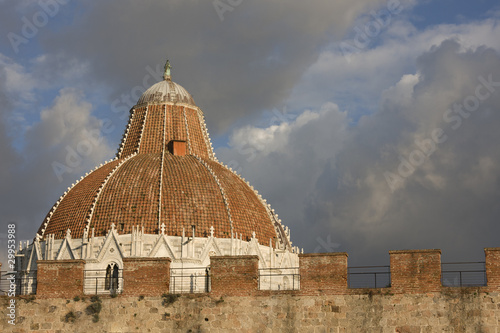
(286, 283)
(111, 282)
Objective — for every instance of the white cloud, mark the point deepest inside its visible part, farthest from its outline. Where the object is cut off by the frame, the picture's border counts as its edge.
(446, 195)
(16, 81)
(357, 84)
(274, 138)
(284, 161)
(66, 133)
(68, 127)
(335, 185)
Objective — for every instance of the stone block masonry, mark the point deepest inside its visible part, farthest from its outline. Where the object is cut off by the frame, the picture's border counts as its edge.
(457, 310)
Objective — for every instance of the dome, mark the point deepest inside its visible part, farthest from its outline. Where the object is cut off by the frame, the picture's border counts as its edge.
(165, 178)
(166, 91)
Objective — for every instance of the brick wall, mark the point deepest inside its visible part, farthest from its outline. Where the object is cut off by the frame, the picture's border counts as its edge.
(322, 273)
(59, 278)
(234, 275)
(415, 271)
(492, 258)
(146, 276)
(412, 271)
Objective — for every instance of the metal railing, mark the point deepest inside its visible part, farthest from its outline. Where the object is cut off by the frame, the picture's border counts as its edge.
(22, 282)
(189, 280)
(96, 282)
(279, 278)
(369, 277)
(463, 274)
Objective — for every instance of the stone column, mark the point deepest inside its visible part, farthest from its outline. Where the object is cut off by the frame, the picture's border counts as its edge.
(323, 273)
(234, 275)
(59, 278)
(415, 271)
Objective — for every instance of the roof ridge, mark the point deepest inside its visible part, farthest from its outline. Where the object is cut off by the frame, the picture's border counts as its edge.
(142, 129)
(100, 190)
(278, 226)
(224, 198)
(125, 135)
(58, 202)
(161, 164)
(187, 130)
(206, 136)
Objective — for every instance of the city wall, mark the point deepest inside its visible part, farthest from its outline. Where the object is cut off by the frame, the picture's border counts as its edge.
(415, 302)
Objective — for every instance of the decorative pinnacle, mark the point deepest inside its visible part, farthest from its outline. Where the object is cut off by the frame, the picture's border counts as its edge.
(166, 75)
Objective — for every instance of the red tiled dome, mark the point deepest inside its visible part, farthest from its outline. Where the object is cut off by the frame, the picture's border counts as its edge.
(165, 172)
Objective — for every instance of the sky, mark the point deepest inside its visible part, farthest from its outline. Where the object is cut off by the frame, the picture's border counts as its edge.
(368, 125)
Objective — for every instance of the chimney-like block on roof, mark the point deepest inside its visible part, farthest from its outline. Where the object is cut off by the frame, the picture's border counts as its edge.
(177, 147)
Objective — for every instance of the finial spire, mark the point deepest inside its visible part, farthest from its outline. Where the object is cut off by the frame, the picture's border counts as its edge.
(166, 75)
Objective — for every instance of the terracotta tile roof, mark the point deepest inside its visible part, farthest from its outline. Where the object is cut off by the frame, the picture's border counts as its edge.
(194, 189)
(130, 197)
(74, 208)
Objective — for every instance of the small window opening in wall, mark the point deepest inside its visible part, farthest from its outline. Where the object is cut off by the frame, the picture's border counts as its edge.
(111, 282)
(122, 226)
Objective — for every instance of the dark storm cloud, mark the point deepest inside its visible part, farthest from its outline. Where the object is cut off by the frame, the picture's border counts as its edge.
(236, 67)
(30, 184)
(65, 144)
(86, 52)
(450, 200)
(284, 161)
(337, 196)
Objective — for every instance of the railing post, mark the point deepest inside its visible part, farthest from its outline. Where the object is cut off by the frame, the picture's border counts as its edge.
(485, 276)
